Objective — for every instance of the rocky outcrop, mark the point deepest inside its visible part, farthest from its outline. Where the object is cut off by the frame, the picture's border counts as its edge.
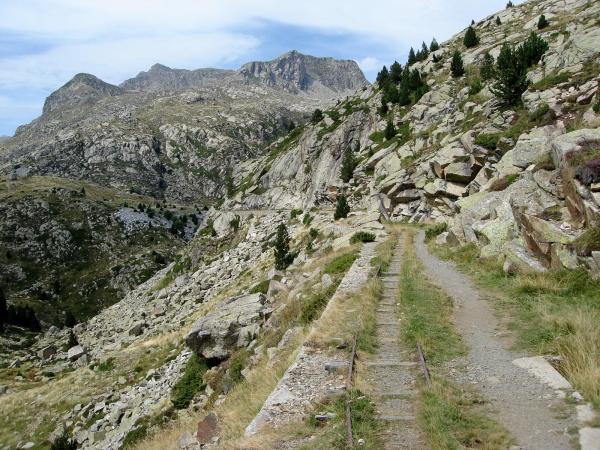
(234, 323)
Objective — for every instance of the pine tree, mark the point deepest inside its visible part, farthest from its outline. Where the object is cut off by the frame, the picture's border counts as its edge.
(412, 58)
(3, 310)
(509, 5)
(384, 106)
(348, 165)
(283, 257)
(486, 69)
(341, 208)
(498, 21)
(383, 77)
(456, 66)
(424, 51)
(317, 116)
(471, 40)
(390, 130)
(70, 320)
(542, 23)
(510, 76)
(531, 51)
(396, 72)
(434, 46)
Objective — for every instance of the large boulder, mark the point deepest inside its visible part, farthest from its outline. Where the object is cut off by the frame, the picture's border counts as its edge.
(219, 333)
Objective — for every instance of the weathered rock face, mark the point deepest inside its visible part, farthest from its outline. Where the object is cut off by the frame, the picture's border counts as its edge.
(233, 324)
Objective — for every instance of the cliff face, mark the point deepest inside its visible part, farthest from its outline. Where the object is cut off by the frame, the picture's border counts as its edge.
(500, 177)
(173, 133)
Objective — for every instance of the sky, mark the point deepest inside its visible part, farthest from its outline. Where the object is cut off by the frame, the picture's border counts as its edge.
(44, 43)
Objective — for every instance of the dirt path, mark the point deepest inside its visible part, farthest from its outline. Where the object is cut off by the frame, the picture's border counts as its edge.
(529, 409)
(391, 370)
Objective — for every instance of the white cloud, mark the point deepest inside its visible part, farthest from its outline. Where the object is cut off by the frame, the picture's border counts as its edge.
(115, 39)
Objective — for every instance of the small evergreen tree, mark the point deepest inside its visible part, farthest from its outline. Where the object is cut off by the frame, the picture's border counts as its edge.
(472, 21)
(348, 165)
(317, 116)
(542, 23)
(72, 340)
(63, 442)
(3, 310)
(396, 72)
(471, 40)
(498, 21)
(510, 76)
(487, 67)
(456, 66)
(531, 51)
(283, 257)
(70, 320)
(390, 130)
(412, 58)
(434, 46)
(509, 5)
(424, 51)
(384, 106)
(383, 77)
(341, 208)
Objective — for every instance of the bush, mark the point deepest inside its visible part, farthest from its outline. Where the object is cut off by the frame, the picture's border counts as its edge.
(471, 40)
(597, 105)
(348, 165)
(435, 230)
(313, 233)
(107, 366)
(190, 383)
(542, 23)
(341, 208)
(390, 130)
(307, 220)
(235, 223)
(63, 442)
(456, 66)
(488, 141)
(340, 264)
(362, 236)
(498, 21)
(283, 257)
(475, 87)
(317, 116)
(295, 213)
(260, 288)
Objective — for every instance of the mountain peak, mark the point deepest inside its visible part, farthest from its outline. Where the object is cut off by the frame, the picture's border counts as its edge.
(295, 72)
(82, 88)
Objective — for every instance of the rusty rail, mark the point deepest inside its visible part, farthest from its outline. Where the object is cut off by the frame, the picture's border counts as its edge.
(423, 364)
(350, 438)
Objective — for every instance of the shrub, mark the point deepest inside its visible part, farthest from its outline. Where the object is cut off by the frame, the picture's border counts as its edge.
(471, 40)
(456, 66)
(348, 165)
(283, 257)
(531, 51)
(341, 208)
(235, 223)
(475, 87)
(190, 383)
(295, 213)
(63, 442)
(597, 105)
(307, 220)
(435, 230)
(362, 236)
(313, 233)
(237, 363)
(317, 116)
(107, 366)
(340, 264)
(486, 70)
(260, 288)
(390, 130)
(543, 115)
(498, 21)
(542, 23)
(488, 141)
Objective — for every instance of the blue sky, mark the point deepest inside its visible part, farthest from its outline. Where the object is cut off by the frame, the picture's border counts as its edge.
(43, 43)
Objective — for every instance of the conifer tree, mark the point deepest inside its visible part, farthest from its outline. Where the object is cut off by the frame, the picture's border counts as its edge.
(434, 46)
(317, 116)
(348, 165)
(498, 21)
(510, 75)
(509, 4)
(531, 51)
(383, 77)
(283, 257)
(412, 58)
(390, 130)
(396, 72)
(456, 66)
(424, 51)
(542, 23)
(471, 40)
(341, 208)
(486, 69)
(384, 106)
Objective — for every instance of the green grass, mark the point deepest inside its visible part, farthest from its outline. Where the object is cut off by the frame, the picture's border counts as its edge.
(450, 416)
(316, 302)
(488, 141)
(550, 81)
(435, 230)
(556, 312)
(340, 264)
(362, 236)
(262, 287)
(190, 383)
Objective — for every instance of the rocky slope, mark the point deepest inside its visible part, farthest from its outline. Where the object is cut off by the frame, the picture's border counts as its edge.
(518, 196)
(171, 133)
